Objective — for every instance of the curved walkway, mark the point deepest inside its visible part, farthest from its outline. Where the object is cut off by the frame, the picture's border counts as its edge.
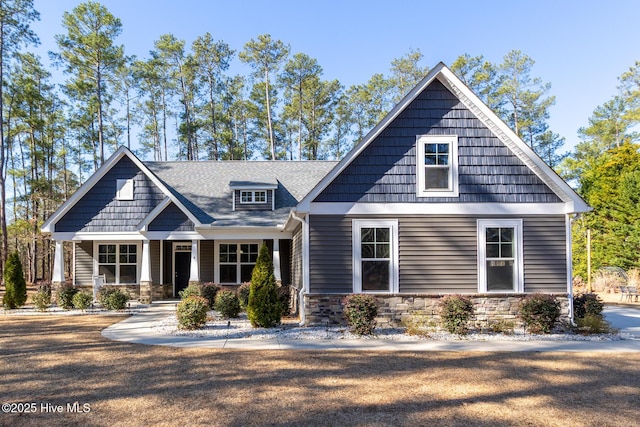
(138, 329)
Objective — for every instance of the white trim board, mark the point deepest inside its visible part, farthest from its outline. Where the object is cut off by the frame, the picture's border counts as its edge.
(327, 208)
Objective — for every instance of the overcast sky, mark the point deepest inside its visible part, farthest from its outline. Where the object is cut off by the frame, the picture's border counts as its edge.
(580, 47)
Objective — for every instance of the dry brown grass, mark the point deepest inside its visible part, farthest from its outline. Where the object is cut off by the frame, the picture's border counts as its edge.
(62, 360)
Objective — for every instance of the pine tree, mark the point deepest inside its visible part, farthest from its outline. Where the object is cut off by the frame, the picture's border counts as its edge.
(264, 309)
(15, 286)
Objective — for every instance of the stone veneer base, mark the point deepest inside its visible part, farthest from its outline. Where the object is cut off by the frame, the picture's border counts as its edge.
(399, 309)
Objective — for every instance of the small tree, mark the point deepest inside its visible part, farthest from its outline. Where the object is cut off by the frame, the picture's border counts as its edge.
(264, 309)
(15, 286)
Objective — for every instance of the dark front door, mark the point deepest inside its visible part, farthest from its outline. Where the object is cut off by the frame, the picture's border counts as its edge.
(182, 264)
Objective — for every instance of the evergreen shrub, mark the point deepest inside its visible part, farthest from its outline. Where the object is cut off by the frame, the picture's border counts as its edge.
(15, 294)
(209, 291)
(360, 311)
(113, 299)
(456, 311)
(587, 304)
(539, 312)
(42, 298)
(65, 296)
(192, 289)
(243, 294)
(227, 304)
(82, 300)
(264, 309)
(192, 312)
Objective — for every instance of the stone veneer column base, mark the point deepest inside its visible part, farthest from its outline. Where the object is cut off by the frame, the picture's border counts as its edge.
(55, 287)
(146, 292)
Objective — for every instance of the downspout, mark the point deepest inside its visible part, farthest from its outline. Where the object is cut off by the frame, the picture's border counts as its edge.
(305, 258)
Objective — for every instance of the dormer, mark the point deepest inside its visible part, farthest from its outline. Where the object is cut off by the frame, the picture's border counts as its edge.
(253, 196)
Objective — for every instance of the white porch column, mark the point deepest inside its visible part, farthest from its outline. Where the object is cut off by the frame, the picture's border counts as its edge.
(194, 273)
(58, 263)
(276, 260)
(145, 268)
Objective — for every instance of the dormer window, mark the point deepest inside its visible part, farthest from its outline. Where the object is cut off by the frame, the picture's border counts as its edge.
(253, 196)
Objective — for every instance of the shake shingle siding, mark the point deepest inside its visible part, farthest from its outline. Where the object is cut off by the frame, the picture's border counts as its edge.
(171, 219)
(99, 210)
(438, 254)
(386, 170)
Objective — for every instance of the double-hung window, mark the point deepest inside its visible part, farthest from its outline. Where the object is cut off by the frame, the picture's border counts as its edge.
(118, 262)
(500, 256)
(437, 166)
(375, 256)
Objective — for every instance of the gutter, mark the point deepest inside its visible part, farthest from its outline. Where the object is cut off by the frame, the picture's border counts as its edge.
(305, 245)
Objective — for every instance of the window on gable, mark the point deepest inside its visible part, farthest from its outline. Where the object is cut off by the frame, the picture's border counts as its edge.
(124, 189)
(375, 254)
(253, 196)
(500, 262)
(437, 166)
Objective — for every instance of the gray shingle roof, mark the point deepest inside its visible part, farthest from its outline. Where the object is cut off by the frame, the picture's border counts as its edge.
(204, 187)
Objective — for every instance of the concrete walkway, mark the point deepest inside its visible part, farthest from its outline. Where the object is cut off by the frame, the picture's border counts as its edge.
(138, 329)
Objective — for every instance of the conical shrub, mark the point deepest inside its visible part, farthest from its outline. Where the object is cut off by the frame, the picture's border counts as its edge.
(15, 286)
(264, 309)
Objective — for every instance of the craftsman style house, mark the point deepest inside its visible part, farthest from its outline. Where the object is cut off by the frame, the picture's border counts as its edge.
(440, 197)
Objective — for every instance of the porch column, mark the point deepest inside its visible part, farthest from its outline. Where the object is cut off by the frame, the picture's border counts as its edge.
(145, 274)
(276, 260)
(194, 271)
(57, 277)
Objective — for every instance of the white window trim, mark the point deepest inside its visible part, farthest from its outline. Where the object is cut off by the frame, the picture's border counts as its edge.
(96, 263)
(421, 140)
(357, 225)
(124, 189)
(253, 197)
(216, 258)
(516, 224)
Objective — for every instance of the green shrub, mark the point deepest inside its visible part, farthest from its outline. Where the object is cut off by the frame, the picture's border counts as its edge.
(82, 300)
(65, 296)
(192, 312)
(113, 299)
(15, 293)
(264, 309)
(42, 298)
(227, 304)
(209, 291)
(192, 289)
(501, 326)
(360, 311)
(243, 294)
(284, 296)
(539, 312)
(456, 311)
(587, 304)
(592, 324)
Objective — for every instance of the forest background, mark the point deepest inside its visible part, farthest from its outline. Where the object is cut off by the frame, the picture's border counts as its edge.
(207, 99)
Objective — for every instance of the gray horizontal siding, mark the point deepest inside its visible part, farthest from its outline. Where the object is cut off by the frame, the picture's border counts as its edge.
(154, 254)
(438, 254)
(487, 170)
(83, 275)
(296, 259)
(171, 219)
(545, 254)
(206, 260)
(98, 210)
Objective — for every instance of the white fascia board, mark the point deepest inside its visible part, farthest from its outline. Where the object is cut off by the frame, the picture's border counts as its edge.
(153, 214)
(511, 140)
(173, 235)
(254, 187)
(244, 233)
(49, 224)
(438, 208)
(109, 236)
(303, 206)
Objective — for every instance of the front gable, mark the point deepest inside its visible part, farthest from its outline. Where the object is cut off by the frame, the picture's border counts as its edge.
(487, 170)
(103, 208)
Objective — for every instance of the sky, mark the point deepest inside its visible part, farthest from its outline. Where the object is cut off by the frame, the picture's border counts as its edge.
(580, 47)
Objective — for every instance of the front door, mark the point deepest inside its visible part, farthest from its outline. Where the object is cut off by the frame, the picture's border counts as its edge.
(181, 271)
